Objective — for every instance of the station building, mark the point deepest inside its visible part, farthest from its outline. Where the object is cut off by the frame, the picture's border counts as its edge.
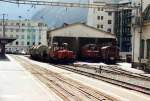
(26, 32)
(77, 35)
(142, 52)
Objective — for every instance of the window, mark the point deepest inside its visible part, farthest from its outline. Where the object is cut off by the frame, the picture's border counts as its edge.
(109, 30)
(0, 29)
(40, 24)
(17, 43)
(23, 30)
(98, 17)
(17, 30)
(142, 48)
(28, 43)
(17, 24)
(11, 30)
(98, 26)
(102, 17)
(33, 43)
(98, 9)
(33, 30)
(11, 36)
(45, 25)
(17, 36)
(23, 24)
(39, 43)
(28, 36)
(102, 9)
(29, 30)
(1, 24)
(109, 21)
(109, 13)
(101, 26)
(29, 24)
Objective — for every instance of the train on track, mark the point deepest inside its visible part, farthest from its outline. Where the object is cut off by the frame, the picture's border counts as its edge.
(54, 53)
(107, 54)
(61, 53)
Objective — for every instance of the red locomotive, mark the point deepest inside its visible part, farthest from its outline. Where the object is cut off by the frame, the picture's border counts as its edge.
(61, 53)
(53, 53)
(110, 54)
(90, 52)
(107, 54)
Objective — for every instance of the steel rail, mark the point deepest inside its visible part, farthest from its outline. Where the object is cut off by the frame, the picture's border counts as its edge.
(109, 80)
(36, 69)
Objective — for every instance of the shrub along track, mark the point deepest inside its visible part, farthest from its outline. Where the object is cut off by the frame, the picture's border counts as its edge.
(67, 89)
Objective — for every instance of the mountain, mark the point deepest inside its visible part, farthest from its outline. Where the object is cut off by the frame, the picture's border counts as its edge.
(57, 16)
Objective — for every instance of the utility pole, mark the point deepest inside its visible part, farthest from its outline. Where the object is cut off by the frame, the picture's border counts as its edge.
(141, 29)
(4, 25)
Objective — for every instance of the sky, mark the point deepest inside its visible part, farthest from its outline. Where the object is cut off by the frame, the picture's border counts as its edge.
(26, 11)
(13, 11)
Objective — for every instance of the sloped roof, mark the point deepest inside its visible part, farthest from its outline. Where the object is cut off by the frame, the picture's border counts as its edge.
(98, 30)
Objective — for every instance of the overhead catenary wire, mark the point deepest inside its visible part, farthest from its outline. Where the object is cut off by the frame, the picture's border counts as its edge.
(33, 3)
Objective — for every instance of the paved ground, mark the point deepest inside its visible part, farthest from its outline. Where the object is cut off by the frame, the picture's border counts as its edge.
(112, 90)
(16, 84)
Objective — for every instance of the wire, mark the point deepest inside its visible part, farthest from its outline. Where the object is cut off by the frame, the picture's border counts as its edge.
(66, 4)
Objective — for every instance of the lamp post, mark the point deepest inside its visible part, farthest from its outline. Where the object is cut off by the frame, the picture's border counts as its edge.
(4, 25)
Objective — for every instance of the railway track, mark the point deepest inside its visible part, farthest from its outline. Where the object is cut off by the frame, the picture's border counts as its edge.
(116, 70)
(67, 89)
(121, 83)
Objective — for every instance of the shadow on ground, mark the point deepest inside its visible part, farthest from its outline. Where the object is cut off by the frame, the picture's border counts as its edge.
(4, 58)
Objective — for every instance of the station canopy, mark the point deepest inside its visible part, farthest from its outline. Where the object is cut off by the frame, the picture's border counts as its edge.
(6, 40)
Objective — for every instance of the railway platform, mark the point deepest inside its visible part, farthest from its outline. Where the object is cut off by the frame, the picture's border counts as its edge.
(121, 94)
(17, 84)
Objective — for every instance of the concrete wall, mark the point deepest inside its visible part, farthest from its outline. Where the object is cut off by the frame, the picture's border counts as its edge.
(136, 42)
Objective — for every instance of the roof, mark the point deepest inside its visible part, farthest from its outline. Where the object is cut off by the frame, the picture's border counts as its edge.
(5, 40)
(98, 30)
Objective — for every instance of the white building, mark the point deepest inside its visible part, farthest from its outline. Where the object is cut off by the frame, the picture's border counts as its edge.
(27, 32)
(100, 18)
(145, 38)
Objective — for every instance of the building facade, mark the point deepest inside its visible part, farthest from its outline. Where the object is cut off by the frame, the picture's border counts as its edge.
(141, 44)
(122, 28)
(117, 22)
(100, 18)
(27, 32)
